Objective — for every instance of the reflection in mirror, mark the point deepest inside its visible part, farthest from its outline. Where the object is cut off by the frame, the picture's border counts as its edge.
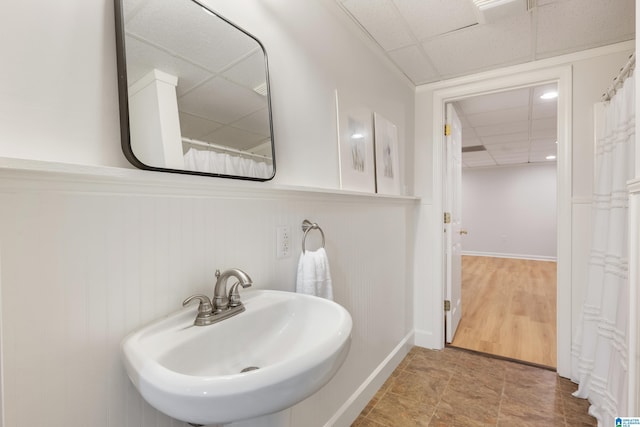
(194, 91)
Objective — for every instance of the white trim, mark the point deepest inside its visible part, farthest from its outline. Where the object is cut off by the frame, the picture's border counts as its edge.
(505, 79)
(425, 339)
(541, 64)
(511, 256)
(39, 174)
(350, 410)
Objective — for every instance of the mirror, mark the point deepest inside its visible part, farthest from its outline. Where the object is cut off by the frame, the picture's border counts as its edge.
(194, 91)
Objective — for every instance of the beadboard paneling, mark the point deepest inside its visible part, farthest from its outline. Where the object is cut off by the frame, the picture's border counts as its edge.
(85, 258)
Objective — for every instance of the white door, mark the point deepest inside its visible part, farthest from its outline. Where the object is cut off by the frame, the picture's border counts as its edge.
(452, 206)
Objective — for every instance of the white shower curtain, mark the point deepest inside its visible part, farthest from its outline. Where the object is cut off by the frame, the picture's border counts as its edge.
(226, 164)
(600, 349)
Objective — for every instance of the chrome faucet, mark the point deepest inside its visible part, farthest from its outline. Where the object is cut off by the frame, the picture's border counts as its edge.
(221, 306)
(220, 300)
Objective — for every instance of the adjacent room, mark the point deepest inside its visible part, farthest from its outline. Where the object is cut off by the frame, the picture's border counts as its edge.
(508, 236)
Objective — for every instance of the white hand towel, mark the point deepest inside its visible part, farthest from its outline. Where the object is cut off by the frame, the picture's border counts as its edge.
(314, 275)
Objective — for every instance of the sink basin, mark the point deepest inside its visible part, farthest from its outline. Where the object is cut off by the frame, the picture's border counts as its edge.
(207, 374)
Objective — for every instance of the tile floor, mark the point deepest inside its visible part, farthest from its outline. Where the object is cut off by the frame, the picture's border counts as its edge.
(455, 387)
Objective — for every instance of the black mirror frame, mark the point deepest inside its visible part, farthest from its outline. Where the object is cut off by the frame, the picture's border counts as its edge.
(123, 95)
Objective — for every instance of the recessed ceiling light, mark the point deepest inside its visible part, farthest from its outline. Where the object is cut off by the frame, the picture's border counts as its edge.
(552, 94)
(551, 157)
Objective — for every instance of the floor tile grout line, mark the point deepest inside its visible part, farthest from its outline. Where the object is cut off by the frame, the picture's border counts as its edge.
(454, 364)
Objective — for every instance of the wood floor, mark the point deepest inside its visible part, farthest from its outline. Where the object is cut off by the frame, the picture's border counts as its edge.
(509, 308)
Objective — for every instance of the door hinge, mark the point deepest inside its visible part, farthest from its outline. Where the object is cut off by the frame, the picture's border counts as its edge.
(447, 305)
(447, 218)
(447, 130)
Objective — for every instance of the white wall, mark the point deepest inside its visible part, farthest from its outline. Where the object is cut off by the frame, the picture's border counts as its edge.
(101, 256)
(88, 257)
(510, 211)
(592, 72)
(58, 96)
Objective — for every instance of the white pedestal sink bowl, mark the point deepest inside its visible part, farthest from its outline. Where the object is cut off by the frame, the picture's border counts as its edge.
(207, 374)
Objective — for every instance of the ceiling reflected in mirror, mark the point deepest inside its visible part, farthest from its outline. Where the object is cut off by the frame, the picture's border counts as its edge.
(194, 91)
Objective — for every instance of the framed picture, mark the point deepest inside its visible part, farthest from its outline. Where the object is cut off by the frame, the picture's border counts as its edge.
(386, 156)
(355, 147)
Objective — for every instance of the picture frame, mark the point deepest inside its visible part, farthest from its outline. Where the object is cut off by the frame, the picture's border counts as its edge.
(355, 146)
(386, 156)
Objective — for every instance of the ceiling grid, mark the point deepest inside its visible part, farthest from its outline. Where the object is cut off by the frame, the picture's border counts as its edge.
(434, 40)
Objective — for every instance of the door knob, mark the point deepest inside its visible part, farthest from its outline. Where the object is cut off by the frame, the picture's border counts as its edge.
(463, 232)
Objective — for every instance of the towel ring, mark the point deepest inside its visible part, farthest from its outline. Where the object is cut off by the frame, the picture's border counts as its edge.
(308, 226)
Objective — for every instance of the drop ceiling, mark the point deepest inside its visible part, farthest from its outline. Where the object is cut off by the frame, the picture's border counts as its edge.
(432, 40)
(508, 128)
(212, 60)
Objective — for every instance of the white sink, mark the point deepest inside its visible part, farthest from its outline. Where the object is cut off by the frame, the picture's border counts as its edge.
(194, 373)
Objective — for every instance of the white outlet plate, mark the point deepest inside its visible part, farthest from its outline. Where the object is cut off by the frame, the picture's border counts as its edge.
(283, 241)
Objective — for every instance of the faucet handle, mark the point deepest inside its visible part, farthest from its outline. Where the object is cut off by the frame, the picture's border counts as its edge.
(205, 309)
(234, 295)
(205, 302)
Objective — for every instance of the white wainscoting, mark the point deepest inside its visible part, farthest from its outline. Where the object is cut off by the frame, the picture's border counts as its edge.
(89, 254)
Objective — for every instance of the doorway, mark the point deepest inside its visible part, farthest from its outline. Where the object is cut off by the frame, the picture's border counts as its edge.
(508, 232)
(492, 83)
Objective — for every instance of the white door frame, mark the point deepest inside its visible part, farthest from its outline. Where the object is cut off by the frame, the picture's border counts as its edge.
(562, 75)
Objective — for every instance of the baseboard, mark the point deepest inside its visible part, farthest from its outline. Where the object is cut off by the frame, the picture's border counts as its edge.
(512, 256)
(426, 339)
(350, 410)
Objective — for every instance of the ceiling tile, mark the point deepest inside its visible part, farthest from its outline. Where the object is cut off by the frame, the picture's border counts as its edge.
(544, 111)
(429, 18)
(548, 124)
(143, 57)
(541, 90)
(504, 129)
(544, 133)
(547, 146)
(249, 72)
(414, 63)
(196, 127)
(500, 139)
(381, 19)
(545, 2)
(481, 47)
(513, 159)
(509, 148)
(257, 123)
(494, 101)
(470, 141)
(233, 137)
(518, 114)
(164, 25)
(580, 24)
(232, 102)
(540, 157)
(477, 158)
